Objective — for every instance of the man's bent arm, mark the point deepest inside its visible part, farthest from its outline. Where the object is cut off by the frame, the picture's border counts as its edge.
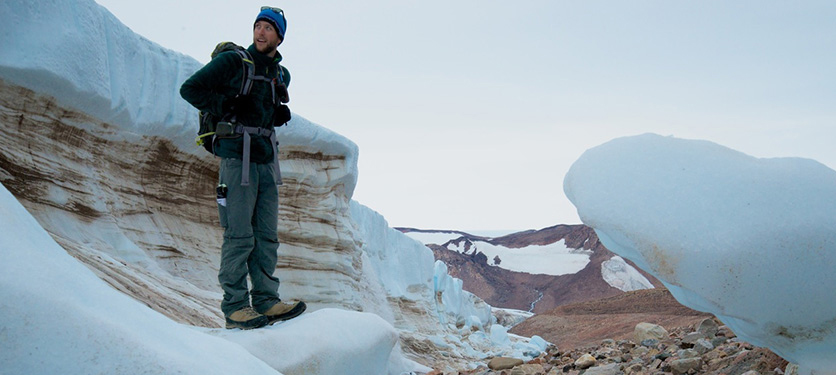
(207, 88)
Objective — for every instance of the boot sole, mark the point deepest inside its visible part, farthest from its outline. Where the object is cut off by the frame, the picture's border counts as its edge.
(296, 311)
(252, 324)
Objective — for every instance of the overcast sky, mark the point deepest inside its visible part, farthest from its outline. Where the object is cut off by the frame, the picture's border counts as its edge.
(469, 113)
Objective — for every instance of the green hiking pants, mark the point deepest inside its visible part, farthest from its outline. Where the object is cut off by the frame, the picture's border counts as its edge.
(250, 222)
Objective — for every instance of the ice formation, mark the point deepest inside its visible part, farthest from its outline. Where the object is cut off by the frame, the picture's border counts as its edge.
(750, 240)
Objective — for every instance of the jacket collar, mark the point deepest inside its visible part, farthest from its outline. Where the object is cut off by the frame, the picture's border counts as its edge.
(262, 59)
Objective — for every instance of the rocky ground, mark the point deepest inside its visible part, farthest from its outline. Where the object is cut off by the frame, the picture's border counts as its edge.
(704, 348)
(587, 323)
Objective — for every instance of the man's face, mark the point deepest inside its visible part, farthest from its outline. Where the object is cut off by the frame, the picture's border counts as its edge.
(266, 38)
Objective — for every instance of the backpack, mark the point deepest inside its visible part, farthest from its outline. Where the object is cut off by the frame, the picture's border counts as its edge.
(208, 123)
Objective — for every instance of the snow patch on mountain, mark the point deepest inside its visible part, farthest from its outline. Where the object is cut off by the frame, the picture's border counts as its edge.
(623, 276)
(434, 237)
(552, 259)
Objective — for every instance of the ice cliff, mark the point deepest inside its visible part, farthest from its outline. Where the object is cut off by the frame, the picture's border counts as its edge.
(750, 240)
(99, 149)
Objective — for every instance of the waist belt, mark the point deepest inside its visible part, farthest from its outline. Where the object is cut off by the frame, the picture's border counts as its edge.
(247, 131)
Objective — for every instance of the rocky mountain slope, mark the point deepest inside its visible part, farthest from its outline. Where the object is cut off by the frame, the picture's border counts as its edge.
(530, 292)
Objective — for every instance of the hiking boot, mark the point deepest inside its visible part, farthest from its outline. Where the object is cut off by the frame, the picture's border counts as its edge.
(285, 311)
(246, 318)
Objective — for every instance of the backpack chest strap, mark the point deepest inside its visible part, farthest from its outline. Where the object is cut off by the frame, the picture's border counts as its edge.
(241, 129)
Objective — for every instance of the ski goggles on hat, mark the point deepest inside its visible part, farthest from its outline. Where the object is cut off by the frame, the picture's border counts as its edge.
(275, 16)
(274, 9)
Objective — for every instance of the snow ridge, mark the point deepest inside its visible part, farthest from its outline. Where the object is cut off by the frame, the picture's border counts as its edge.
(97, 65)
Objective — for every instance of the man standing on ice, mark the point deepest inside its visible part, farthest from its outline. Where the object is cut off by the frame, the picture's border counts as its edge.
(247, 191)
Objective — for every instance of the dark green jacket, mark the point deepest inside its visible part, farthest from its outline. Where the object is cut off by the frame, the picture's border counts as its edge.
(220, 80)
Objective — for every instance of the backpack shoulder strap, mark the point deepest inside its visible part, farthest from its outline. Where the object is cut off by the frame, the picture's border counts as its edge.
(280, 71)
(249, 71)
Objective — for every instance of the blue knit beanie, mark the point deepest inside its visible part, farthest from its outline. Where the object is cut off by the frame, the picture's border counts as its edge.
(276, 19)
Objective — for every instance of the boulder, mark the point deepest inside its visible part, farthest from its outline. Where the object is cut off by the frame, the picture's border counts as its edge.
(691, 338)
(504, 363)
(687, 353)
(649, 331)
(682, 366)
(528, 369)
(585, 361)
(726, 332)
(703, 346)
(708, 328)
(610, 369)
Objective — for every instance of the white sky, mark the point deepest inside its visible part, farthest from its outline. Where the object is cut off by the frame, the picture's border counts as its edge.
(469, 113)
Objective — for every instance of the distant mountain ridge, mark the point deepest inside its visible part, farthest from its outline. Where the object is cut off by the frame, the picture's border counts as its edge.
(577, 236)
(519, 290)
